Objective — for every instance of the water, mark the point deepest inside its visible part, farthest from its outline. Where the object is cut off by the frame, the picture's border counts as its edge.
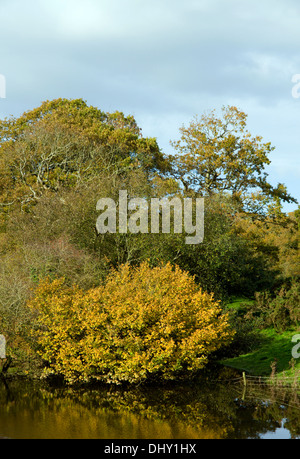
(195, 411)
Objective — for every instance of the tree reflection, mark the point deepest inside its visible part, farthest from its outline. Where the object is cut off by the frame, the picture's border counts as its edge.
(33, 410)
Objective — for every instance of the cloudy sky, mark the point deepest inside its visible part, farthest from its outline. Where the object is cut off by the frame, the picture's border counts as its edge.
(162, 61)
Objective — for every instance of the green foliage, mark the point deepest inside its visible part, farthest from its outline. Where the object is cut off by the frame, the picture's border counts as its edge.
(218, 154)
(227, 262)
(280, 310)
(58, 160)
(246, 337)
(65, 143)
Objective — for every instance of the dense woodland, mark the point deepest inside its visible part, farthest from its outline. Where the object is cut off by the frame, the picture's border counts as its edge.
(88, 305)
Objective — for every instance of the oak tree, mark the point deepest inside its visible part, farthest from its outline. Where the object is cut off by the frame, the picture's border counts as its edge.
(65, 143)
(219, 155)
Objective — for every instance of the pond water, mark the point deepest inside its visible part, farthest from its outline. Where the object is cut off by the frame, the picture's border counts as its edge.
(192, 411)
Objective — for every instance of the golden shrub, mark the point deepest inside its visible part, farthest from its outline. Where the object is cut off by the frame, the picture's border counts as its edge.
(144, 323)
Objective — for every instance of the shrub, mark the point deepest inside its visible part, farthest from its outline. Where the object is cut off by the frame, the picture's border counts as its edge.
(280, 310)
(143, 324)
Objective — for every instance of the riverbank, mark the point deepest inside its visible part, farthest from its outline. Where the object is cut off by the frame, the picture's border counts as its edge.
(271, 359)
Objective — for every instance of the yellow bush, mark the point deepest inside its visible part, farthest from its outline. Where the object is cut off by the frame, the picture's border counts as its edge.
(144, 323)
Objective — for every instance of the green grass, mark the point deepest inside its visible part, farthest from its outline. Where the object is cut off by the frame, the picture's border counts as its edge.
(236, 302)
(273, 347)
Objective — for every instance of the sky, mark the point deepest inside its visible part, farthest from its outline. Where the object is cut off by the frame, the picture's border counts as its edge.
(162, 61)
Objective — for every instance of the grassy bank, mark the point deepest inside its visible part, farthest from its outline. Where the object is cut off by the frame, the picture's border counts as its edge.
(270, 351)
(273, 348)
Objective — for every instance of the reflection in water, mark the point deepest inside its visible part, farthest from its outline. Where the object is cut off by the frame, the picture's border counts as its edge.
(33, 410)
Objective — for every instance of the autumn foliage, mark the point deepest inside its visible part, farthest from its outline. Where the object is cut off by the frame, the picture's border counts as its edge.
(56, 162)
(143, 324)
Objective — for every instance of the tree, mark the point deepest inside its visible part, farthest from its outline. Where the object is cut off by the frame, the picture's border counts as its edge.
(219, 155)
(279, 241)
(66, 143)
(230, 261)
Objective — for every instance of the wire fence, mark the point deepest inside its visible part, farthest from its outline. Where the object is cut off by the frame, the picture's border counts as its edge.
(289, 381)
(274, 389)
